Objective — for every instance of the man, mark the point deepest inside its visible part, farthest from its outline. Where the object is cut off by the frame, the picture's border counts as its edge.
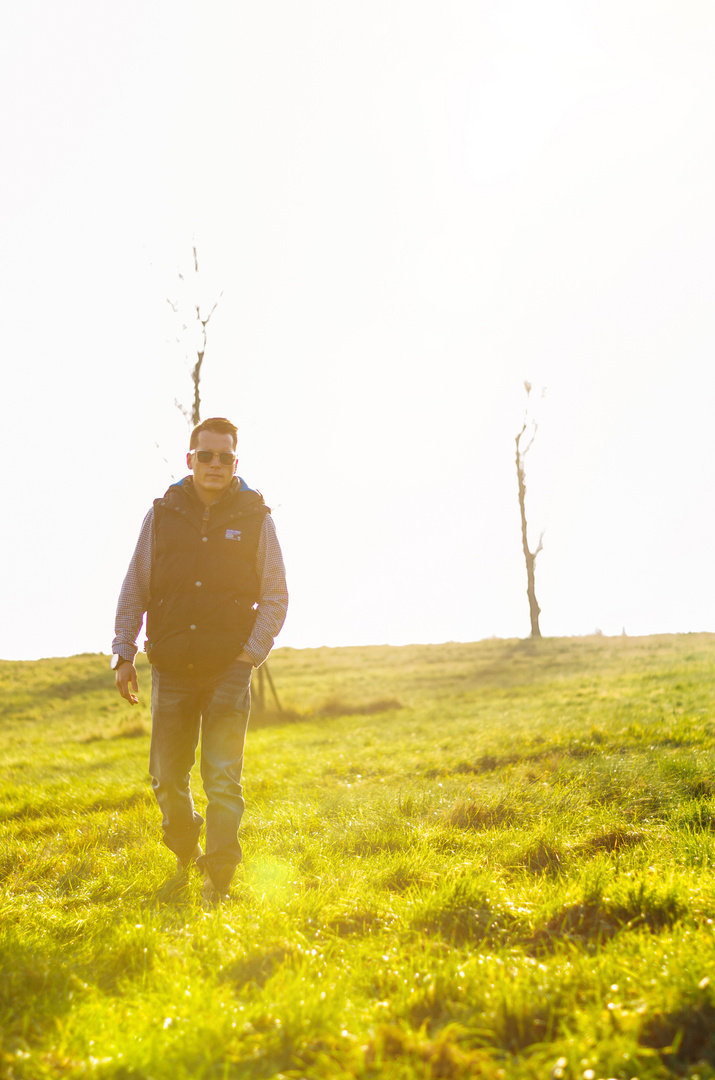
(208, 571)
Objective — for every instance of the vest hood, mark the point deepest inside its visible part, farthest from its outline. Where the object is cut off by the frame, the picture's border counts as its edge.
(185, 487)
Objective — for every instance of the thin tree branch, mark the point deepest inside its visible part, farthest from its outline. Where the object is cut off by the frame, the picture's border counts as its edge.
(194, 415)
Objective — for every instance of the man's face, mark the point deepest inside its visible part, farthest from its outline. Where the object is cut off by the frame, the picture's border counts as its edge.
(212, 478)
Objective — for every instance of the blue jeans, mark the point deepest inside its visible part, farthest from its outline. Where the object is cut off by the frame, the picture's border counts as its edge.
(216, 707)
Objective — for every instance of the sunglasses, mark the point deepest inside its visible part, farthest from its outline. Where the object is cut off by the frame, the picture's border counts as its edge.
(206, 456)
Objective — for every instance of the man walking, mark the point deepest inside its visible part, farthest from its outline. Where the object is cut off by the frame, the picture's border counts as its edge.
(208, 571)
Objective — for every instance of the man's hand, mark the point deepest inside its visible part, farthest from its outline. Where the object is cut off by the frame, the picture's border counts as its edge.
(245, 658)
(126, 676)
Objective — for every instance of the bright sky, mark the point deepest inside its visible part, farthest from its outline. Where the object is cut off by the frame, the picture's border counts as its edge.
(411, 207)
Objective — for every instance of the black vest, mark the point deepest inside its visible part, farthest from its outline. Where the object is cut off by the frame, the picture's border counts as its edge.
(204, 586)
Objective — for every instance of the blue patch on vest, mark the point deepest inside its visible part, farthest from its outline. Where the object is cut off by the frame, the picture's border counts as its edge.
(233, 534)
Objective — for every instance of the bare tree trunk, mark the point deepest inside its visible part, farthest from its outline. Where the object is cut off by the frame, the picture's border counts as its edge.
(194, 417)
(196, 378)
(259, 692)
(529, 556)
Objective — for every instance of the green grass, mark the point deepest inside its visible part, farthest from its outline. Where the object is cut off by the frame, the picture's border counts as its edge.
(489, 860)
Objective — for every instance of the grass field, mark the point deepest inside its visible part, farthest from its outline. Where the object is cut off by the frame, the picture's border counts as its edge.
(485, 860)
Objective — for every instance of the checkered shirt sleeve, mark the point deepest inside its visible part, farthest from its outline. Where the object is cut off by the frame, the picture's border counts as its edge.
(272, 599)
(272, 596)
(134, 595)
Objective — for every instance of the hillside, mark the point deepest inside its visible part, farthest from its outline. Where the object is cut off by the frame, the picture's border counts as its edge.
(490, 859)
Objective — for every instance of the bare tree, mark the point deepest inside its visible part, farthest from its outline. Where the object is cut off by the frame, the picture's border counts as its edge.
(200, 326)
(530, 556)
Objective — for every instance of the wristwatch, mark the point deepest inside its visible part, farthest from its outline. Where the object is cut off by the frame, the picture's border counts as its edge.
(117, 660)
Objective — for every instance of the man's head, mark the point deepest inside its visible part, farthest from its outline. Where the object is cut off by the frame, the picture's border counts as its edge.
(212, 457)
(218, 424)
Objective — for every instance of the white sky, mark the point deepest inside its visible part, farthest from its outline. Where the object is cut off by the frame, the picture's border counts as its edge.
(411, 207)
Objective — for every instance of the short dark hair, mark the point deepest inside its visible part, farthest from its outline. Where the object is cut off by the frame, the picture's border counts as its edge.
(218, 424)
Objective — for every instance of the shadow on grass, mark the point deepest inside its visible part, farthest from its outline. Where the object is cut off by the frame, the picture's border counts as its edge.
(180, 893)
(75, 687)
(477, 815)
(698, 786)
(340, 707)
(50, 809)
(130, 731)
(356, 922)
(329, 710)
(541, 857)
(258, 967)
(682, 1037)
(366, 841)
(462, 913)
(617, 839)
(698, 818)
(441, 1056)
(597, 921)
(35, 990)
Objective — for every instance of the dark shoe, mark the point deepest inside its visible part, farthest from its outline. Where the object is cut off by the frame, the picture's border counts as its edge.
(184, 864)
(211, 896)
(219, 869)
(179, 880)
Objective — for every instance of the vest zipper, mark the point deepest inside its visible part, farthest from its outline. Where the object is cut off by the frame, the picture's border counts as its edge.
(205, 521)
